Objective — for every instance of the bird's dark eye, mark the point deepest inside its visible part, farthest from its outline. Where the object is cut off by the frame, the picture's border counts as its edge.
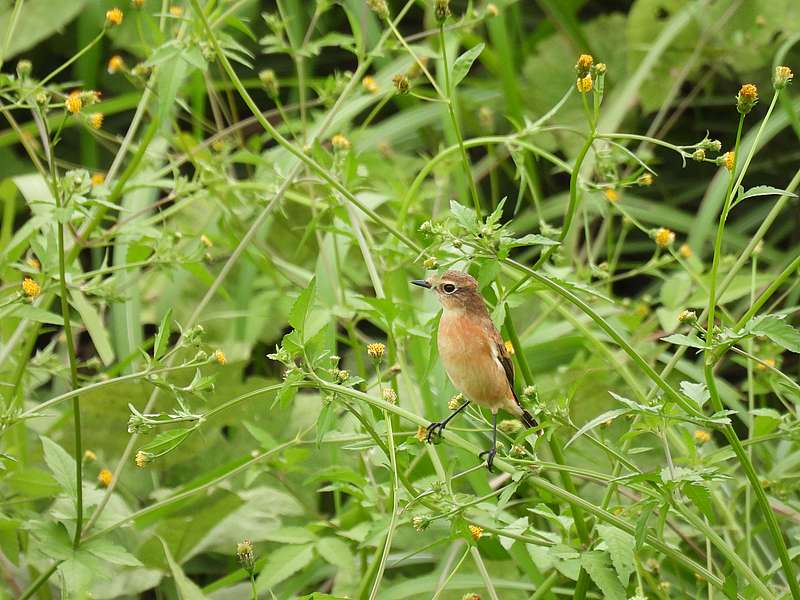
(448, 288)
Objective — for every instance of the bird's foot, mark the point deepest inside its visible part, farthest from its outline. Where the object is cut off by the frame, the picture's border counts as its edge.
(435, 430)
(489, 454)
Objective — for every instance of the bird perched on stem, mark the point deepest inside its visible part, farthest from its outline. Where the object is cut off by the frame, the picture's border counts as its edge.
(473, 354)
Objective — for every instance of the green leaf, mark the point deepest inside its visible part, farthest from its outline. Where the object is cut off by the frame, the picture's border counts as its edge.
(94, 325)
(620, 546)
(162, 337)
(641, 524)
(187, 589)
(684, 340)
(336, 551)
(779, 331)
(696, 391)
(166, 441)
(302, 306)
(282, 564)
(110, 552)
(533, 239)
(38, 20)
(675, 290)
(597, 565)
(606, 416)
(764, 190)
(464, 215)
(62, 465)
(326, 421)
(701, 498)
(463, 63)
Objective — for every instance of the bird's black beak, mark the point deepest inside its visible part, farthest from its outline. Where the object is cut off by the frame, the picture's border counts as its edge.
(421, 283)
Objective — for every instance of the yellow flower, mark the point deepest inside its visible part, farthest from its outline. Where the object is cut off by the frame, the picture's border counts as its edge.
(702, 436)
(376, 350)
(141, 460)
(645, 179)
(747, 98)
(476, 532)
(370, 84)
(422, 434)
(176, 11)
(137, 3)
(471, 596)
(96, 120)
(205, 241)
(509, 347)
(611, 195)
(491, 9)
(685, 251)
(764, 364)
(30, 288)
(783, 77)
(664, 237)
(728, 159)
(98, 179)
(584, 84)
(389, 395)
(34, 263)
(430, 263)
(219, 356)
(342, 375)
(340, 142)
(115, 63)
(105, 477)
(455, 401)
(114, 16)
(73, 103)
(89, 456)
(584, 63)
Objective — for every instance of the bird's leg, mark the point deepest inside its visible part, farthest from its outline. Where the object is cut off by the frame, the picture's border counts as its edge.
(436, 428)
(490, 454)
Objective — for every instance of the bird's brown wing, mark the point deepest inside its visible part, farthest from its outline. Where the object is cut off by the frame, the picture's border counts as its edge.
(505, 360)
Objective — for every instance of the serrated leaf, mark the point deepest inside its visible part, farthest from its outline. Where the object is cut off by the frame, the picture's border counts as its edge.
(463, 63)
(641, 525)
(62, 465)
(282, 564)
(162, 337)
(301, 307)
(464, 215)
(621, 548)
(778, 330)
(598, 565)
(696, 391)
(606, 416)
(701, 498)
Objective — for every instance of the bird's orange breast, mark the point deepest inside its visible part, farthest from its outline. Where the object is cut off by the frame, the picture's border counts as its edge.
(465, 348)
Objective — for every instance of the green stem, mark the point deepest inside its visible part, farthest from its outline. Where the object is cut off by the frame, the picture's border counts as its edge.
(451, 110)
(83, 51)
(65, 313)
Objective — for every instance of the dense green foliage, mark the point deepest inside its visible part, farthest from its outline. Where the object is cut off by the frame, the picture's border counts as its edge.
(215, 378)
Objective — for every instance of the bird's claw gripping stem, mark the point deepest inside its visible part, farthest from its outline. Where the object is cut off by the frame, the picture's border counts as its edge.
(489, 454)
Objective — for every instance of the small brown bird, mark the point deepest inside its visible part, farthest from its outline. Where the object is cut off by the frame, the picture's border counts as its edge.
(473, 353)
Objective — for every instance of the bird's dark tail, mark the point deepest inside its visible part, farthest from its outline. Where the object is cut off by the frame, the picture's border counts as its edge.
(528, 419)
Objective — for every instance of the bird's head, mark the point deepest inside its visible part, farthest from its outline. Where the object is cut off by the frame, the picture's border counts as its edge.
(456, 290)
